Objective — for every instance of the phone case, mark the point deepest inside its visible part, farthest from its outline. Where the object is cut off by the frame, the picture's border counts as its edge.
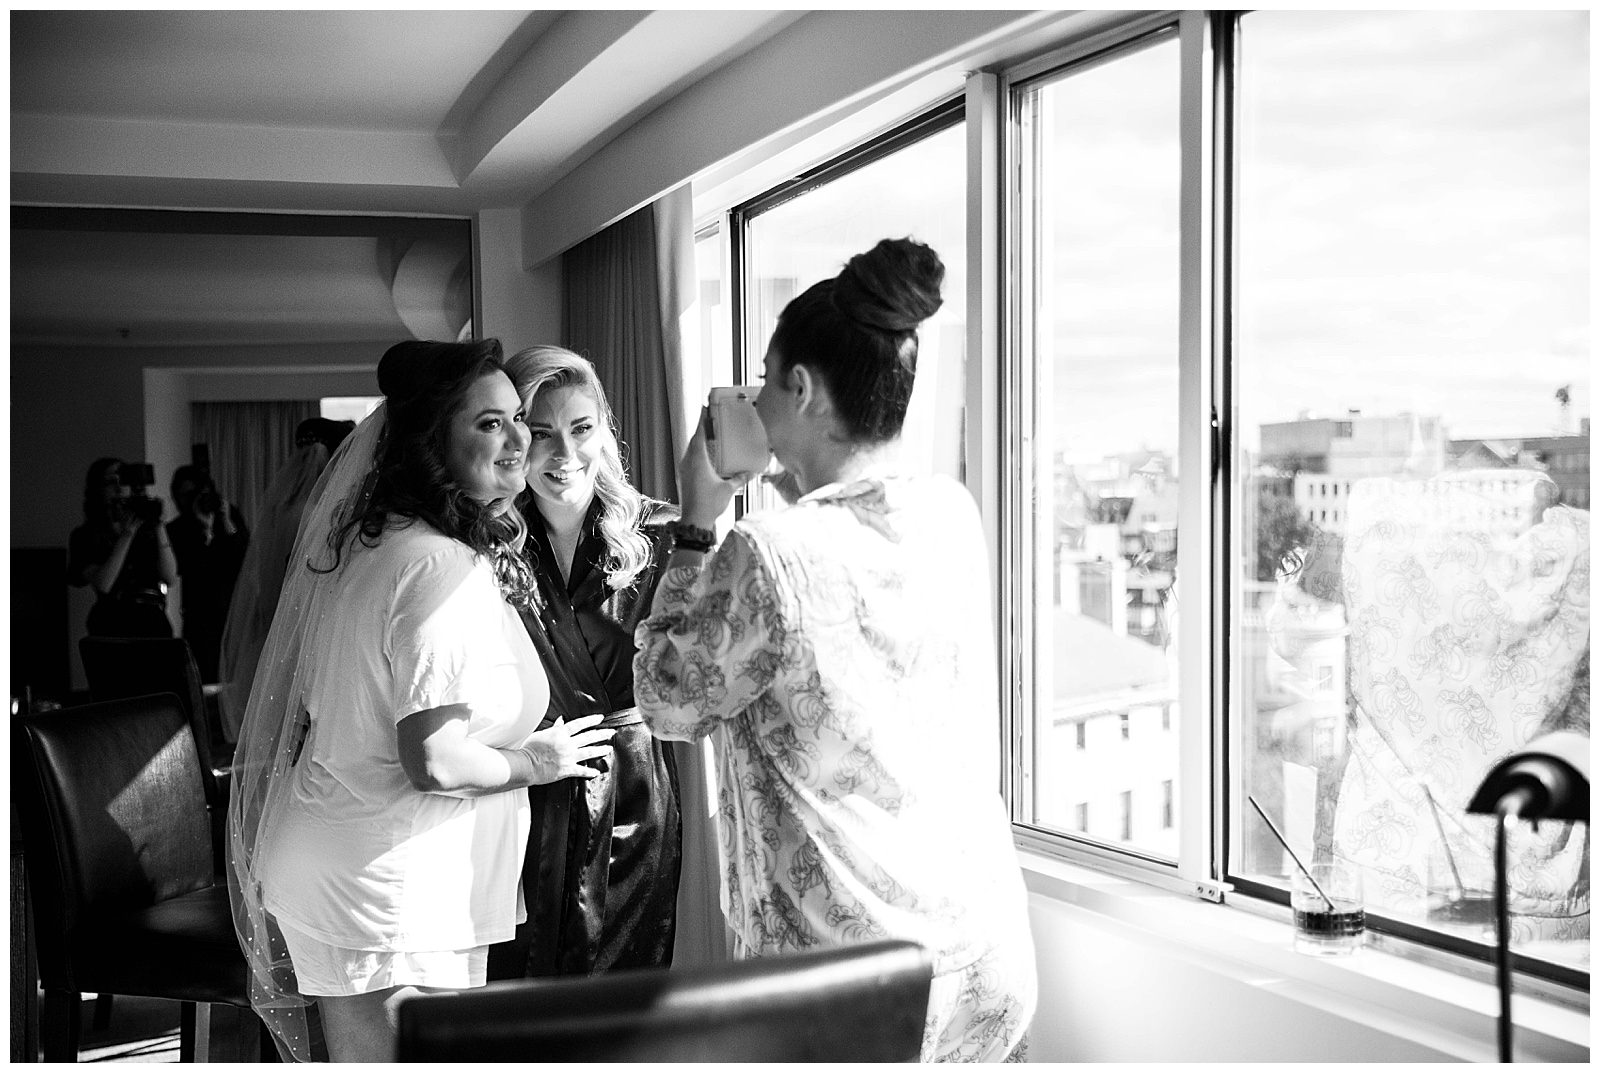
(735, 438)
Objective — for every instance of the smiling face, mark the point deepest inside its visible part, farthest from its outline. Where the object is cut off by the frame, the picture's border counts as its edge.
(568, 447)
(486, 444)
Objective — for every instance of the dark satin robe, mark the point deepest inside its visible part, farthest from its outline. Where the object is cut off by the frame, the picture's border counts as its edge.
(601, 873)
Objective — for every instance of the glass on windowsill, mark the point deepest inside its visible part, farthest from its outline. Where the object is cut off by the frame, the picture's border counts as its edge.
(1334, 925)
(1464, 903)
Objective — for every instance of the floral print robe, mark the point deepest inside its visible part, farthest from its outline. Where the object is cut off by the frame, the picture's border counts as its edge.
(840, 654)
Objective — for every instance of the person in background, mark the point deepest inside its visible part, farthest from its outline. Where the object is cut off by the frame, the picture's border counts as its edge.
(122, 551)
(840, 655)
(601, 874)
(255, 594)
(209, 539)
(377, 823)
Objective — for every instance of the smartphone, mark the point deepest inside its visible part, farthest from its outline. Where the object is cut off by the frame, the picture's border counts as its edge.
(735, 438)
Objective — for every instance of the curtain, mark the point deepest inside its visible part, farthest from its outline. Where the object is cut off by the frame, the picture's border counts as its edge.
(629, 299)
(621, 311)
(248, 442)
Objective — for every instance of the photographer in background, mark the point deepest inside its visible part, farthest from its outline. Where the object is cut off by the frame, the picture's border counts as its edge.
(122, 550)
(210, 539)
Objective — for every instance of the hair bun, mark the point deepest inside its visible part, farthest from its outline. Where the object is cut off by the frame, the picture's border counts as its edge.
(893, 287)
(408, 369)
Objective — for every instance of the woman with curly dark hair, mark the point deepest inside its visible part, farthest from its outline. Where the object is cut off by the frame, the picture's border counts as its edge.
(378, 823)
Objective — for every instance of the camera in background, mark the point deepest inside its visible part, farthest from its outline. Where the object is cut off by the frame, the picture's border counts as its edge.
(137, 477)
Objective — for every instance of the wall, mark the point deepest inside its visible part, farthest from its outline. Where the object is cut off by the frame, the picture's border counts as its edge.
(825, 65)
(1129, 973)
(518, 306)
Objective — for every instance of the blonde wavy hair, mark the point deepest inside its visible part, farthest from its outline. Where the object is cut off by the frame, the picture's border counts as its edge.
(546, 367)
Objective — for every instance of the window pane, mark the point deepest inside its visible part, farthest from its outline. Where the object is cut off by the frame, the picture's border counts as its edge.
(1412, 403)
(715, 342)
(918, 191)
(1100, 225)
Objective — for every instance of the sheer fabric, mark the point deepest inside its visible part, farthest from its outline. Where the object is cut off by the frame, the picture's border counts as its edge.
(272, 731)
(255, 596)
(1468, 603)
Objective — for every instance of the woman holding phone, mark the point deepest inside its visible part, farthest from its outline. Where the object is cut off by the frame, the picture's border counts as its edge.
(845, 671)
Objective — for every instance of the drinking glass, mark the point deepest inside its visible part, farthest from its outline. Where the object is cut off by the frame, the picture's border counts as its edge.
(1334, 925)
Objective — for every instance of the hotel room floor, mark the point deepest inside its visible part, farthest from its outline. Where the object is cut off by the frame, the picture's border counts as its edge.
(141, 1030)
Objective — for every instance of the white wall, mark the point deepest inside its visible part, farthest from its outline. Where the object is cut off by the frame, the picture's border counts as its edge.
(1128, 973)
(519, 306)
(824, 64)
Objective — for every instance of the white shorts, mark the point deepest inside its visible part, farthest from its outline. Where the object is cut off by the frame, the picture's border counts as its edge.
(323, 969)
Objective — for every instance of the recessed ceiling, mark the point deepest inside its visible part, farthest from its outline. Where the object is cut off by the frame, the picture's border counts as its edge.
(405, 113)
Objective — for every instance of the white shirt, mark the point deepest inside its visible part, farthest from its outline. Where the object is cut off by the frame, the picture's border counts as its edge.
(358, 857)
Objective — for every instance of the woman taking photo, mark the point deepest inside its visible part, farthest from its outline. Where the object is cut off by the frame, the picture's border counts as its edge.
(839, 653)
(378, 822)
(601, 877)
(122, 551)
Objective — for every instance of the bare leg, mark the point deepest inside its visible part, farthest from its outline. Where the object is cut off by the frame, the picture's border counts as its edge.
(363, 1028)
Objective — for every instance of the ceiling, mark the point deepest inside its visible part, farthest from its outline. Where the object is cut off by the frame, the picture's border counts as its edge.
(377, 113)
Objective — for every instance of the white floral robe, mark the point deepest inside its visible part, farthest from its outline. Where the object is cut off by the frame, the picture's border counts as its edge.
(840, 654)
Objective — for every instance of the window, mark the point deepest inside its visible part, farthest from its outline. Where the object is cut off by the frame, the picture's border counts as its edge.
(348, 407)
(910, 182)
(1082, 735)
(1098, 301)
(1080, 816)
(1124, 721)
(1481, 116)
(1345, 153)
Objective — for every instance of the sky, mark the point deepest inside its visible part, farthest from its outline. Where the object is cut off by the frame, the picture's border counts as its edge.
(1413, 234)
(1413, 231)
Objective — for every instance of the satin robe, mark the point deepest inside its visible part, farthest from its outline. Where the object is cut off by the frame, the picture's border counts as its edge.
(601, 873)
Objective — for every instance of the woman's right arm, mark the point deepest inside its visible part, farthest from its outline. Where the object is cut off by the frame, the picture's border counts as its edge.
(439, 757)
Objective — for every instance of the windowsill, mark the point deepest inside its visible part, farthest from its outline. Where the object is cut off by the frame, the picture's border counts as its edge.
(1450, 1004)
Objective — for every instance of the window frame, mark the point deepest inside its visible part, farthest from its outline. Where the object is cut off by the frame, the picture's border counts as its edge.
(747, 352)
(1210, 760)
(1199, 867)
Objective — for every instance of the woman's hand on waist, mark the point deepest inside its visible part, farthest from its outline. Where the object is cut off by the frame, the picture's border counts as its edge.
(560, 750)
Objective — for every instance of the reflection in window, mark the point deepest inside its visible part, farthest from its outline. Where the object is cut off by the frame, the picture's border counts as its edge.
(1100, 160)
(1413, 292)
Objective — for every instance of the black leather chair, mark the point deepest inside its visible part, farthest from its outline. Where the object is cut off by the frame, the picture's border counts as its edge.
(119, 667)
(118, 855)
(864, 1003)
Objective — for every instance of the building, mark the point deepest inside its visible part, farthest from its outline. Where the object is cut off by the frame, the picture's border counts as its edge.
(1564, 458)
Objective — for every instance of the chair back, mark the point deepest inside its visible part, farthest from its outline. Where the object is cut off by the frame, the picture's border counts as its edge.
(118, 667)
(113, 815)
(864, 1003)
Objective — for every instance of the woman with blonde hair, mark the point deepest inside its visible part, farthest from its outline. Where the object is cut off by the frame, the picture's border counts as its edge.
(601, 872)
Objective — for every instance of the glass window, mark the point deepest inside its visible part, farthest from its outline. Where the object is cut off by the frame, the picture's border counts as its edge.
(716, 336)
(1412, 297)
(1098, 239)
(792, 240)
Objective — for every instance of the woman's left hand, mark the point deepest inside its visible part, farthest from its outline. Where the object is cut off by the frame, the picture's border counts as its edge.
(703, 495)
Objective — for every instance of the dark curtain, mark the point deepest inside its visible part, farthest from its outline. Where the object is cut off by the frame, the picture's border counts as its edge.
(613, 315)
